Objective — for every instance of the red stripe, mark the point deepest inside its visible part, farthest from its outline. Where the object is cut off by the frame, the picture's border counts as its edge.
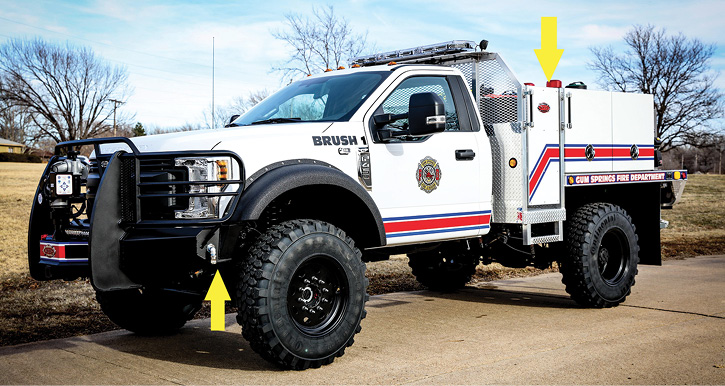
(417, 225)
(574, 152)
(548, 154)
(607, 152)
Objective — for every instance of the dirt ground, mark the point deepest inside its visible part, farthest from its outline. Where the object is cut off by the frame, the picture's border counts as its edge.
(44, 310)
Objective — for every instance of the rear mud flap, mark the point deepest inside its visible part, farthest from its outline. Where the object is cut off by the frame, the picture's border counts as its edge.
(106, 233)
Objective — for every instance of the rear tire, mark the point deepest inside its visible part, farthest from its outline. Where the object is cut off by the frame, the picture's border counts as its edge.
(147, 313)
(302, 294)
(602, 255)
(443, 269)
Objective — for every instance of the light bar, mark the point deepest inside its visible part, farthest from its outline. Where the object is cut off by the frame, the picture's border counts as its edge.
(451, 47)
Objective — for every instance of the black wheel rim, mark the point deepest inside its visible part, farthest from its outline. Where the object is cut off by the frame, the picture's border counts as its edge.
(318, 295)
(613, 256)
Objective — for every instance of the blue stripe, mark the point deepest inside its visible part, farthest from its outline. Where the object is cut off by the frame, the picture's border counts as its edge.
(605, 145)
(435, 216)
(416, 233)
(62, 262)
(610, 159)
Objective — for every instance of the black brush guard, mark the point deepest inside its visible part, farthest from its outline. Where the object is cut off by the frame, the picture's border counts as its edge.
(132, 244)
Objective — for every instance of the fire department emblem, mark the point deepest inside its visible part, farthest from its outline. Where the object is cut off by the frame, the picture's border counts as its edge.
(634, 152)
(48, 251)
(544, 107)
(428, 174)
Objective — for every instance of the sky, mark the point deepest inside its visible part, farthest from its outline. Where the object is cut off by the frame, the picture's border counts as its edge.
(166, 46)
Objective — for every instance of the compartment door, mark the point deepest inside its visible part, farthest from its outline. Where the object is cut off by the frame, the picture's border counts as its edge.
(542, 147)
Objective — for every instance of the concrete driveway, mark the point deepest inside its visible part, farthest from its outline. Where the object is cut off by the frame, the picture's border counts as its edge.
(671, 330)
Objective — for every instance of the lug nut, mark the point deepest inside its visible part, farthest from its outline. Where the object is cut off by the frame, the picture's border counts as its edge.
(312, 312)
(307, 281)
(315, 278)
(322, 282)
(301, 300)
(304, 308)
(325, 290)
(318, 308)
(325, 300)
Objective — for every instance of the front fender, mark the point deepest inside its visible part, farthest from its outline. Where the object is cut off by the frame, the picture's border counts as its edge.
(269, 186)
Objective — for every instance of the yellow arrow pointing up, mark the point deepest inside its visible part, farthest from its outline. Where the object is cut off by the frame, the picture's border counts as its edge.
(548, 55)
(217, 294)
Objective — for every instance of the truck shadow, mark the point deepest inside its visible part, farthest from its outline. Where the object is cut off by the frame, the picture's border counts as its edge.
(485, 295)
(198, 346)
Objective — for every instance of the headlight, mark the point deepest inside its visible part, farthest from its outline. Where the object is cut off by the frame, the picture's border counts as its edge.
(205, 170)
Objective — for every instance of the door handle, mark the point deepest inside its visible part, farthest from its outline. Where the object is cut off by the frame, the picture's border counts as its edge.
(465, 155)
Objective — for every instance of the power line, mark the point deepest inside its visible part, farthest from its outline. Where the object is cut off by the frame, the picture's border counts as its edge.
(105, 44)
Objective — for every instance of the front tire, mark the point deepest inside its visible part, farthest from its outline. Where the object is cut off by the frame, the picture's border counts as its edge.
(302, 294)
(149, 312)
(602, 255)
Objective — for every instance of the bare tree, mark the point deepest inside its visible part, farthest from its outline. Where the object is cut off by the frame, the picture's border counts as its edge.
(66, 89)
(673, 68)
(15, 122)
(237, 106)
(318, 43)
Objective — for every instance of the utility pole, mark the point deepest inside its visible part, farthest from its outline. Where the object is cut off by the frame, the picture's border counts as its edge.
(115, 104)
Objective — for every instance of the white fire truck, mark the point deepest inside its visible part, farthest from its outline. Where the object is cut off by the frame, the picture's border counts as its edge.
(439, 152)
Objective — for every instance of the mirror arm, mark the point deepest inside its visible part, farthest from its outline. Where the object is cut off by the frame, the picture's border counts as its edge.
(383, 119)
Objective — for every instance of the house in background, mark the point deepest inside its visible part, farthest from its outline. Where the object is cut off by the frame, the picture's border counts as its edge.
(8, 146)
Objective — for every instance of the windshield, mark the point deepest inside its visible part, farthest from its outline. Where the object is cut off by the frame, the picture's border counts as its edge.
(329, 98)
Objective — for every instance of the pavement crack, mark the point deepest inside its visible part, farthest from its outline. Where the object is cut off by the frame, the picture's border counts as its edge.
(673, 311)
(121, 366)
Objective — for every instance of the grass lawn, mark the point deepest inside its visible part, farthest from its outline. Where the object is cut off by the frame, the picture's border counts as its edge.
(44, 310)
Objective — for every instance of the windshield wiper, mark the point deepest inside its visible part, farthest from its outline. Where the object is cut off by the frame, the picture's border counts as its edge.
(275, 120)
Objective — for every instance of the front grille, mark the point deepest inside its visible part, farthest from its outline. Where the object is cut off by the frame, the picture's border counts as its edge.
(154, 173)
(153, 189)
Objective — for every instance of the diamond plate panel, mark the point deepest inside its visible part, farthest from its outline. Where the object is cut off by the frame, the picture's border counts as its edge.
(542, 216)
(546, 239)
(497, 94)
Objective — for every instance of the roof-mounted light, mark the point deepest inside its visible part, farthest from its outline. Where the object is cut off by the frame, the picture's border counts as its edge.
(451, 47)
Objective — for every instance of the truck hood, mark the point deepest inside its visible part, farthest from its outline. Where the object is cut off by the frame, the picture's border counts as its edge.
(255, 135)
(260, 146)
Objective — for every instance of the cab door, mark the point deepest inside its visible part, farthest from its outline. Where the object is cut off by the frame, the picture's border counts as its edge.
(428, 188)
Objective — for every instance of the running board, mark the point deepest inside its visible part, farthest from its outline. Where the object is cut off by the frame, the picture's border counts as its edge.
(555, 217)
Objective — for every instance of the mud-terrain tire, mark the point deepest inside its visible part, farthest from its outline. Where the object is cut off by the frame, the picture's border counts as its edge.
(443, 269)
(301, 294)
(601, 255)
(147, 313)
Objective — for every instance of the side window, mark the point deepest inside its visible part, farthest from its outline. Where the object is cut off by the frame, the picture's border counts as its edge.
(397, 102)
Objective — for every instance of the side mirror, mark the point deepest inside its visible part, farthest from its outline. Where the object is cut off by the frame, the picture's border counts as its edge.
(232, 119)
(426, 114)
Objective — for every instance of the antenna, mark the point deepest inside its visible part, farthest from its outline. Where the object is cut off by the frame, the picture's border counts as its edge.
(212, 82)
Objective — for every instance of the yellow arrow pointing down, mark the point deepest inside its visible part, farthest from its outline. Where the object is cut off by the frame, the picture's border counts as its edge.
(548, 55)
(217, 294)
